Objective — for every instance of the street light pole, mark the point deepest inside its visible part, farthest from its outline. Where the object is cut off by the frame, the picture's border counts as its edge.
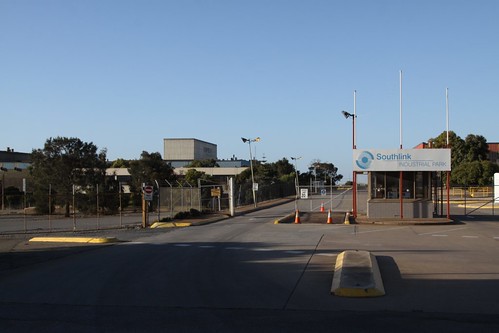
(354, 174)
(297, 182)
(251, 166)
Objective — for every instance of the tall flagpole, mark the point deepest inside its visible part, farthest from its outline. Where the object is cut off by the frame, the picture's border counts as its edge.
(400, 109)
(401, 174)
(448, 146)
(354, 120)
(354, 146)
(447, 113)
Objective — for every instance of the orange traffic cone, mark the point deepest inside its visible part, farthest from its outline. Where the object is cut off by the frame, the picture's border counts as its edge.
(329, 218)
(297, 217)
(322, 207)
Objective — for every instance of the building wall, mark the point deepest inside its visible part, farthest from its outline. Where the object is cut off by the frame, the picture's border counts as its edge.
(188, 150)
(494, 152)
(391, 208)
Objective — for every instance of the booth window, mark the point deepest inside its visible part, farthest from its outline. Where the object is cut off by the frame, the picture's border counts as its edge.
(415, 185)
(378, 185)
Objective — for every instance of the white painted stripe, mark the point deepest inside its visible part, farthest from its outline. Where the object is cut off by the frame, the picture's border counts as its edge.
(378, 230)
(436, 235)
(469, 236)
(294, 252)
(326, 254)
(430, 233)
(261, 249)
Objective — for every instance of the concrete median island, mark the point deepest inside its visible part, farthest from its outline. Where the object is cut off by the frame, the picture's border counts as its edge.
(356, 274)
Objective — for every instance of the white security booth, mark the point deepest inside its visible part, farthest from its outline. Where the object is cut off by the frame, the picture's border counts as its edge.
(400, 180)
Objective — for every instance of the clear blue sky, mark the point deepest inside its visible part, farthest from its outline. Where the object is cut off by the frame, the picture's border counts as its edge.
(126, 74)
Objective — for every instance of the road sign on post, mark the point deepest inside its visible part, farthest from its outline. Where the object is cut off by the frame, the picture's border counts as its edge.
(148, 192)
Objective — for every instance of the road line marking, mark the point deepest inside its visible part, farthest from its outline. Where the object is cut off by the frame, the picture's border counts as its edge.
(261, 249)
(437, 235)
(429, 233)
(294, 252)
(182, 245)
(378, 230)
(326, 254)
(469, 236)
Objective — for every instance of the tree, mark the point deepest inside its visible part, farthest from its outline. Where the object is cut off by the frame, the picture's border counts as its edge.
(148, 168)
(470, 164)
(192, 176)
(203, 164)
(267, 173)
(479, 173)
(457, 145)
(476, 147)
(323, 171)
(63, 164)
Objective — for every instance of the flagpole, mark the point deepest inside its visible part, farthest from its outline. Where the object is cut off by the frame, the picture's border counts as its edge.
(401, 174)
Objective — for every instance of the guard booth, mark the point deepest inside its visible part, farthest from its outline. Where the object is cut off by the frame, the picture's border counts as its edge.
(400, 181)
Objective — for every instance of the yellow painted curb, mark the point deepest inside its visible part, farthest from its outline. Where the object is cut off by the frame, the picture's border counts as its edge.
(88, 240)
(170, 225)
(356, 274)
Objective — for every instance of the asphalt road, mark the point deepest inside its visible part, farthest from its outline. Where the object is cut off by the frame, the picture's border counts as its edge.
(247, 274)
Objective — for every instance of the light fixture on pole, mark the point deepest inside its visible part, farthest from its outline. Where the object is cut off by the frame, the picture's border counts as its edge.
(249, 141)
(354, 174)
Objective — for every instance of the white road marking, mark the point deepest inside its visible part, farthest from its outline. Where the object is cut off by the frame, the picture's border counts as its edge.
(430, 233)
(469, 236)
(378, 230)
(326, 254)
(294, 252)
(261, 249)
(437, 235)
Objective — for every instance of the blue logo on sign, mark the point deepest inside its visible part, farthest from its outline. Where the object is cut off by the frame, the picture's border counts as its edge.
(365, 159)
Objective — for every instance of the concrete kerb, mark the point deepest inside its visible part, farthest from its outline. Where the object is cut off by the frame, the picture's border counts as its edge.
(356, 274)
(399, 221)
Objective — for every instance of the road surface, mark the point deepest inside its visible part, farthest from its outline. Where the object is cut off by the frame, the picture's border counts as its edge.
(247, 274)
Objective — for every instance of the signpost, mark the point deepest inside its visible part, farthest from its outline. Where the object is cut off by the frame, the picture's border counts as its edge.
(147, 195)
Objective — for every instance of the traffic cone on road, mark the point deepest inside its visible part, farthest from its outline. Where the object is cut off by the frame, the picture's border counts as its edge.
(297, 217)
(329, 218)
(322, 207)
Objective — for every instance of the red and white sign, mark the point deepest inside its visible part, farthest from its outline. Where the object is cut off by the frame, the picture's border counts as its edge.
(148, 192)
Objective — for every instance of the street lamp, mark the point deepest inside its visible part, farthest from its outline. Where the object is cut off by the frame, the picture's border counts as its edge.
(297, 182)
(354, 174)
(249, 141)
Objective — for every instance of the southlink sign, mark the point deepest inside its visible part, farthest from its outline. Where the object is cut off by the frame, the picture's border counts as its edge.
(402, 160)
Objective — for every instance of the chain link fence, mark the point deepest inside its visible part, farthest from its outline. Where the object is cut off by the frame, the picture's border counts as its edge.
(100, 209)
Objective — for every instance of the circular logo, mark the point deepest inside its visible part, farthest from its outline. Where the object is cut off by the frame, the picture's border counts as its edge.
(365, 159)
